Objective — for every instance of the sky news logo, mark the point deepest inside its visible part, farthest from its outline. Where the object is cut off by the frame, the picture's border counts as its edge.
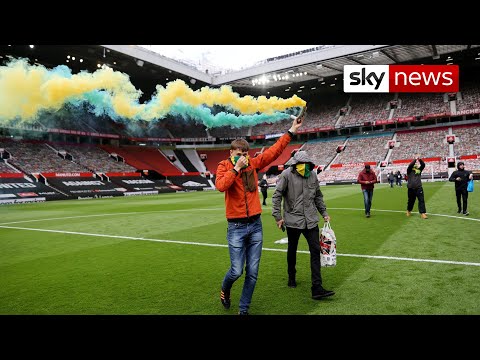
(400, 78)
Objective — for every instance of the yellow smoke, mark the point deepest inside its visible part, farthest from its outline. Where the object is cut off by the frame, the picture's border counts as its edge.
(27, 89)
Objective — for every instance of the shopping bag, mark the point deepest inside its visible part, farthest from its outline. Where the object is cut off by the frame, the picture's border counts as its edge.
(470, 186)
(328, 246)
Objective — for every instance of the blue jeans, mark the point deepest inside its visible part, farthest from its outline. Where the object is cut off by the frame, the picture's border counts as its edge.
(367, 200)
(245, 246)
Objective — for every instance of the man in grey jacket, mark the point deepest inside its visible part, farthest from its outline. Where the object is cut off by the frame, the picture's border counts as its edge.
(298, 186)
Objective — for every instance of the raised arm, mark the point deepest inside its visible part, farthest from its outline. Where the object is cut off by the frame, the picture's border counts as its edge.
(422, 164)
(410, 166)
(274, 151)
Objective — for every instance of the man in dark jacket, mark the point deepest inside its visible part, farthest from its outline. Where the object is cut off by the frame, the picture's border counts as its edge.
(302, 200)
(263, 187)
(391, 178)
(461, 177)
(367, 179)
(415, 188)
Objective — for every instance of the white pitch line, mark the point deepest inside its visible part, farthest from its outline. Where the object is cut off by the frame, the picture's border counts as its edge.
(403, 211)
(224, 245)
(190, 210)
(112, 236)
(111, 214)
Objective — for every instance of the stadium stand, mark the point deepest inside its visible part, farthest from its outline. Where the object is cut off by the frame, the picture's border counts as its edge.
(4, 168)
(367, 107)
(467, 141)
(419, 104)
(95, 159)
(145, 158)
(413, 142)
(37, 157)
(324, 151)
(366, 149)
(470, 97)
(185, 161)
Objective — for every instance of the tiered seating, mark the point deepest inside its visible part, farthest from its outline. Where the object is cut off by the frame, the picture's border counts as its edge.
(145, 158)
(4, 168)
(96, 159)
(37, 157)
(367, 107)
(322, 152)
(418, 104)
(424, 143)
(470, 97)
(436, 167)
(273, 128)
(363, 150)
(284, 157)
(472, 164)
(467, 142)
(327, 117)
(213, 158)
(343, 173)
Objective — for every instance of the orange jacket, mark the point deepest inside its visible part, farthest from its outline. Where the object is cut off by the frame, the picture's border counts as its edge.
(241, 191)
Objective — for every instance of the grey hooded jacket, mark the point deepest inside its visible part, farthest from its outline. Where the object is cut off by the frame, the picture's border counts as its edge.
(302, 196)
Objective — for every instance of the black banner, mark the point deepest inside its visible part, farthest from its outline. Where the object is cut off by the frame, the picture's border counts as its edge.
(21, 190)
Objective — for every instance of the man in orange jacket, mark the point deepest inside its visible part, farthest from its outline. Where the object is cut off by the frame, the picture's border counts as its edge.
(237, 177)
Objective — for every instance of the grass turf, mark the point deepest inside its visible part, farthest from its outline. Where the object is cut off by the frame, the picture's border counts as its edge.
(75, 271)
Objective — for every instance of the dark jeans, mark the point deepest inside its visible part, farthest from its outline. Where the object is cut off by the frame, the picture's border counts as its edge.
(312, 236)
(367, 200)
(264, 193)
(245, 247)
(413, 194)
(462, 194)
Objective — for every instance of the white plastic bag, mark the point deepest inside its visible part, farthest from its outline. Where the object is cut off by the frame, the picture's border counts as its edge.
(328, 246)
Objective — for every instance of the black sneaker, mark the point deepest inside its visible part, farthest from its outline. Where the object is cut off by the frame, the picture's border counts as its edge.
(225, 298)
(459, 211)
(320, 294)
(466, 213)
(243, 313)
(367, 215)
(292, 283)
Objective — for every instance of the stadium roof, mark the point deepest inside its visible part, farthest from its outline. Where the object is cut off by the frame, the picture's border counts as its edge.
(320, 66)
(301, 67)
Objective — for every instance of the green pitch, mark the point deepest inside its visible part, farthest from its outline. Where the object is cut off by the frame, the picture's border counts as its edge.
(167, 254)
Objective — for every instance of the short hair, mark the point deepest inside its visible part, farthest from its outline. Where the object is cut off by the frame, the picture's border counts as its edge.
(239, 144)
(367, 166)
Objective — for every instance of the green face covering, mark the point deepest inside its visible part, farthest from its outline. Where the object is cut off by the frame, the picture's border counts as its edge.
(234, 160)
(303, 169)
